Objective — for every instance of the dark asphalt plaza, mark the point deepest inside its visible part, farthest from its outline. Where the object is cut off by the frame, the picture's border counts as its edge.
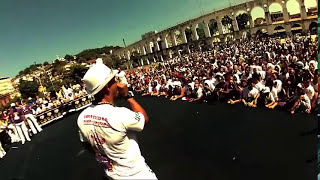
(182, 141)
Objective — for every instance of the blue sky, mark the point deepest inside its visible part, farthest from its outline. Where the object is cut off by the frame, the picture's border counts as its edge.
(38, 30)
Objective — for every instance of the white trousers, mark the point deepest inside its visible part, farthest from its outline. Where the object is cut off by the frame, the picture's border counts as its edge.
(2, 151)
(33, 123)
(23, 132)
(13, 134)
(147, 173)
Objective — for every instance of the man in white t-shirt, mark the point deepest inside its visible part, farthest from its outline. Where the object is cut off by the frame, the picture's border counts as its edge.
(110, 129)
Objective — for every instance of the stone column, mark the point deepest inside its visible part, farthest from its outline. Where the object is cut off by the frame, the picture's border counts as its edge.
(148, 61)
(188, 50)
(141, 62)
(184, 37)
(303, 9)
(173, 39)
(220, 28)
(234, 23)
(143, 50)
(207, 30)
(251, 21)
(149, 48)
(154, 59)
(287, 27)
(285, 13)
(268, 18)
(195, 36)
(164, 43)
(161, 57)
(156, 46)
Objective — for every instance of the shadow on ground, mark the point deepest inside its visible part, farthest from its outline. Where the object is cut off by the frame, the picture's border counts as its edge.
(182, 141)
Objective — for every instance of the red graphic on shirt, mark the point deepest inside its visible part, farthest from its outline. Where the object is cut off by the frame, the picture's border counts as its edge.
(96, 121)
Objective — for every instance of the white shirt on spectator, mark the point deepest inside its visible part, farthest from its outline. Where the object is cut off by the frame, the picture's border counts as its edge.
(253, 92)
(310, 92)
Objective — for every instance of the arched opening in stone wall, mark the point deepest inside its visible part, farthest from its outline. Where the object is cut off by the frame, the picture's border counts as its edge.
(169, 40)
(178, 36)
(213, 27)
(188, 32)
(243, 20)
(229, 37)
(276, 12)
(296, 28)
(262, 33)
(159, 41)
(258, 16)
(226, 22)
(293, 9)
(279, 31)
(311, 7)
(200, 31)
(151, 47)
(313, 28)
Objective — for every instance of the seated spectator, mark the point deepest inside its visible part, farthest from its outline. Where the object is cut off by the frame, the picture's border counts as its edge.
(303, 102)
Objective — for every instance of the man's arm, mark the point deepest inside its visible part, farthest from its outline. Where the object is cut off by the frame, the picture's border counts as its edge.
(135, 106)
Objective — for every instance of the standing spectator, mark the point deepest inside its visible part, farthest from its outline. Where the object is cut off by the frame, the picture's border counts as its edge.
(32, 121)
(16, 116)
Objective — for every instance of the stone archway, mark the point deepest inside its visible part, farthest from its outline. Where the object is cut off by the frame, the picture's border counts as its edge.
(313, 28)
(293, 8)
(188, 33)
(279, 31)
(227, 26)
(258, 16)
(296, 28)
(178, 36)
(311, 7)
(276, 12)
(169, 40)
(200, 31)
(228, 37)
(213, 27)
(243, 20)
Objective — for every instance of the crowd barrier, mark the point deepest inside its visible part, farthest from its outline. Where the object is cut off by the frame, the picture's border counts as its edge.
(57, 113)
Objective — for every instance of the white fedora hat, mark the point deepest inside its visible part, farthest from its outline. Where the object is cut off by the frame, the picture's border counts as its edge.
(98, 77)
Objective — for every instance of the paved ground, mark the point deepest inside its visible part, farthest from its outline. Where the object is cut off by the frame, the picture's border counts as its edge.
(183, 141)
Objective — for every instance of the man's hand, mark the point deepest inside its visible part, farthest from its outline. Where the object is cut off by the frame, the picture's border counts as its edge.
(123, 89)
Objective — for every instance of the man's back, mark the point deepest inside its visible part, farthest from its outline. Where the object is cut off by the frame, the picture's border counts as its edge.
(109, 131)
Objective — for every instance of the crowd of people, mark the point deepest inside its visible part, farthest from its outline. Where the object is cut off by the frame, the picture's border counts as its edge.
(20, 122)
(261, 71)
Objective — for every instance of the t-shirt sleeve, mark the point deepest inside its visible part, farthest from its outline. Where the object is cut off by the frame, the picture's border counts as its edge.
(132, 120)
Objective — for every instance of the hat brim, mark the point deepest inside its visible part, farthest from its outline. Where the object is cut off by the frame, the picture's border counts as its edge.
(106, 81)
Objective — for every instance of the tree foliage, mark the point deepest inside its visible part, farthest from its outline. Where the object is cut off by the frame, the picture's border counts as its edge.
(68, 57)
(189, 34)
(28, 88)
(77, 72)
(89, 54)
(242, 20)
(201, 33)
(213, 27)
(29, 69)
(226, 20)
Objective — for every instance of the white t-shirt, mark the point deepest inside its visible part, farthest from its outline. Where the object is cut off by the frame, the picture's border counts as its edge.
(310, 92)
(110, 131)
(253, 93)
(199, 92)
